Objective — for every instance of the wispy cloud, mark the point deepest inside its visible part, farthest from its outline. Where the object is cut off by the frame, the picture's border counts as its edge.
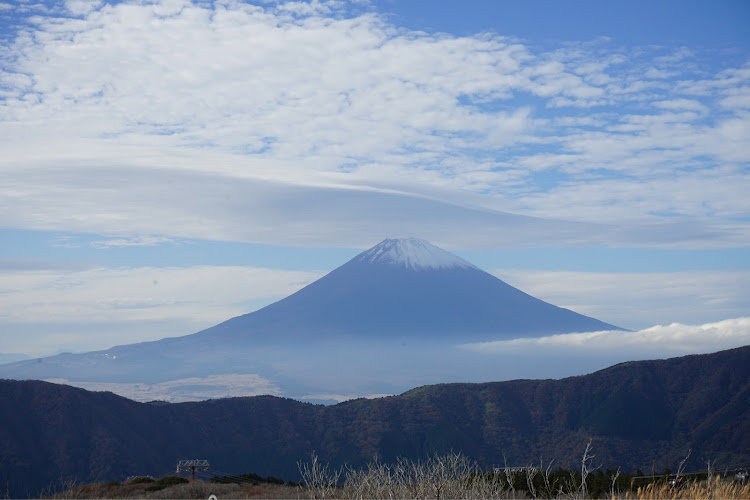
(137, 241)
(96, 294)
(317, 97)
(67, 241)
(96, 308)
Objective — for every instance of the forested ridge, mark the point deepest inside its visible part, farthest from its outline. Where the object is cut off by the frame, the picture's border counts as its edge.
(640, 415)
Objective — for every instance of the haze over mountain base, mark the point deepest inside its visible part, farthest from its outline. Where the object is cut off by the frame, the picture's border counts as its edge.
(333, 372)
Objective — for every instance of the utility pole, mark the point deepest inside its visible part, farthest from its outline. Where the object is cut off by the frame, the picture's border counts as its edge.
(192, 466)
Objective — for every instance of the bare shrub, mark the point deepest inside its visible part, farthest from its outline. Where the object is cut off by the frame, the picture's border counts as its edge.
(450, 475)
(586, 468)
(510, 477)
(320, 480)
(613, 489)
(549, 482)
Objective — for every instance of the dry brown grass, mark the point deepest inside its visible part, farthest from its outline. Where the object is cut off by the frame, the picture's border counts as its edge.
(713, 489)
(193, 490)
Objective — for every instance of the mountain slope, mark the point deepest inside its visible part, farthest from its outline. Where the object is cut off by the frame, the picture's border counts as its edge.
(408, 287)
(639, 415)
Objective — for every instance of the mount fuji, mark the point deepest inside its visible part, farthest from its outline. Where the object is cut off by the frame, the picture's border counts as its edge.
(407, 288)
(385, 321)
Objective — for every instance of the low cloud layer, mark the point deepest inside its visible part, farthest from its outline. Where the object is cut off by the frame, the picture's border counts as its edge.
(659, 341)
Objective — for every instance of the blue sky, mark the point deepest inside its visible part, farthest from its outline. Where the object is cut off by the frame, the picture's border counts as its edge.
(168, 164)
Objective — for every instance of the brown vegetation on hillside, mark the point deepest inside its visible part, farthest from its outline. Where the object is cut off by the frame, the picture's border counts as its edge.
(718, 489)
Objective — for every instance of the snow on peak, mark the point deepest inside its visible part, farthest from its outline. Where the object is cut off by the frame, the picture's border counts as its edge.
(412, 253)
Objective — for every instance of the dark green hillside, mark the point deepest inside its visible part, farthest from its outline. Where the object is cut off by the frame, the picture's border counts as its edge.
(640, 415)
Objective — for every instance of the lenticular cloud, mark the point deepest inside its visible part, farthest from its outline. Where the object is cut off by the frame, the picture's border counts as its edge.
(670, 339)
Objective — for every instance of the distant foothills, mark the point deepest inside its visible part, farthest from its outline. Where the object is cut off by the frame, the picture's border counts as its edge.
(642, 415)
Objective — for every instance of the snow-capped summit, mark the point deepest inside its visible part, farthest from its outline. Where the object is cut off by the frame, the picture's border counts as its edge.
(411, 253)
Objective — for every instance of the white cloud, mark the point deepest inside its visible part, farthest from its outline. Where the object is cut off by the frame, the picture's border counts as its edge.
(656, 342)
(737, 99)
(305, 94)
(712, 196)
(682, 104)
(183, 204)
(82, 7)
